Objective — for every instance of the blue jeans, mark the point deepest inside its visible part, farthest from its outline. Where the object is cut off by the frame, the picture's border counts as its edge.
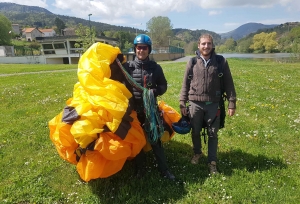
(199, 112)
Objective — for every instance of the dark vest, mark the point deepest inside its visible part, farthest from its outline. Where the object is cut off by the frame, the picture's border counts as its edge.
(144, 74)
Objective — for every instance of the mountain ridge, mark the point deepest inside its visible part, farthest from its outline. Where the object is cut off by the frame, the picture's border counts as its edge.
(245, 29)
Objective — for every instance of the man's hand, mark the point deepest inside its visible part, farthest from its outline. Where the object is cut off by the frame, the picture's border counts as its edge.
(231, 111)
(183, 111)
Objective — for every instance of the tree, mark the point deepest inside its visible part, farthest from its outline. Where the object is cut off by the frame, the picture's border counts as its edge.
(187, 36)
(270, 42)
(86, 37)
(60, 25)
(294, 34)
(243, 46)
(123, 37)
(5, 31)
(35, 45)
(160, 30)
(264, 42)
(128, 46)
(230, 44)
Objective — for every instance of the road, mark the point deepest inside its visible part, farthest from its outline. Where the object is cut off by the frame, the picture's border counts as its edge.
(183, 59)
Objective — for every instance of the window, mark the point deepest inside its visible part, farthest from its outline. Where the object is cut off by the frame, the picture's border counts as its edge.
(49, 52)
(47, 46)
(59, 46)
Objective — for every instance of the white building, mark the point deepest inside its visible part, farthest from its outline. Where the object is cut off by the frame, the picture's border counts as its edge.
(62, 50)
(30, 34)
(48, 32)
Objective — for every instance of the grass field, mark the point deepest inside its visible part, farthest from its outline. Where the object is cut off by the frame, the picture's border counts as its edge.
(258, 148)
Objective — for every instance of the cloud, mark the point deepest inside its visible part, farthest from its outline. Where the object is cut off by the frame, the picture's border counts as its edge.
(131, 12)
(212, 13)
(117, 9)
(208, 4)
(118, 12)
(39, 3)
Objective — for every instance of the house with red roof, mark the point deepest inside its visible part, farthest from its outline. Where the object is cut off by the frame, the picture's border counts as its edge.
(30, 34)
(49, 32)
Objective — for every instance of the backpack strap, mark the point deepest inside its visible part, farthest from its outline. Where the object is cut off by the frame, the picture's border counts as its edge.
(219, 58)
(190, 75)
(220, 61)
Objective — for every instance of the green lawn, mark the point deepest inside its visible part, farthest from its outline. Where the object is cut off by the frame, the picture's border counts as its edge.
(258, 148)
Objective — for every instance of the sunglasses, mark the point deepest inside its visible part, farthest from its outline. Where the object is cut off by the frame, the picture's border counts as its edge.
(142, 47)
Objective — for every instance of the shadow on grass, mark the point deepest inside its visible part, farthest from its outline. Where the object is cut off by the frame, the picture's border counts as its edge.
(237, 159)
(123, 187)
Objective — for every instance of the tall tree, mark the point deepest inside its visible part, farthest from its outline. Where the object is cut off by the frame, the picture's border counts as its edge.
(160, 30)
(123, 37)
(60, 25)
(264, 42)
(295, 44)
(6, 32)
(86, 36)
(244, 46)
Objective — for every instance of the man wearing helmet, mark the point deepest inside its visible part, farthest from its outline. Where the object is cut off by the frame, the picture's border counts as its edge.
(201, 88)
(148, 74)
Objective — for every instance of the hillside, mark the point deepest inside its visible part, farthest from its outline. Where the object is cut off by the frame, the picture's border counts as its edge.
(245, 30)
(281, 29)
(193, 35)
(33, 16)
(12, 8)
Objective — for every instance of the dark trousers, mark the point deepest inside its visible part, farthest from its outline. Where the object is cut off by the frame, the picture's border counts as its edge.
(200, 111)
(159, 154)
(157, 149)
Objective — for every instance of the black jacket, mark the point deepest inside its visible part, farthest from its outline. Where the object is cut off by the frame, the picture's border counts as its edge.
(148, 74)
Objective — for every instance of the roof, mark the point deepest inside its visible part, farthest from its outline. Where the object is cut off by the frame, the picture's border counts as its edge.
(46, 30)
(29, 30)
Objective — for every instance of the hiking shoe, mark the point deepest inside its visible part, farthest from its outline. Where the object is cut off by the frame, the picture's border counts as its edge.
(212, 167)
(167, 174)
(195, 159)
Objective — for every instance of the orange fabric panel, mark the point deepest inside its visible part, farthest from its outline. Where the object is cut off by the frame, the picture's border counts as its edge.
(62, 138)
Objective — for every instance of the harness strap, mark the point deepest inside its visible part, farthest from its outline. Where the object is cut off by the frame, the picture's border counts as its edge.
(154, 127)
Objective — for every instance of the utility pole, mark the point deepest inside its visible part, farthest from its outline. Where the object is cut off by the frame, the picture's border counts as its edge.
(90, 26)
(169, 39)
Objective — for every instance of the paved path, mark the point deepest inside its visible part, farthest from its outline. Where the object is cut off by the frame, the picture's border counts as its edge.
(183, 59)
(38, 72)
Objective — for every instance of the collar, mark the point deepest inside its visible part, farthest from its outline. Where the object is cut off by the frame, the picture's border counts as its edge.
(142, 62)
(204, 60)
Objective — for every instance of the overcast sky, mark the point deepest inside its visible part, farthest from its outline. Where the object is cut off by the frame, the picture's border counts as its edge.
(219, 16)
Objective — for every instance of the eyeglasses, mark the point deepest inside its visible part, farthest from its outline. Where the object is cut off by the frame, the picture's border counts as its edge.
(142, 47)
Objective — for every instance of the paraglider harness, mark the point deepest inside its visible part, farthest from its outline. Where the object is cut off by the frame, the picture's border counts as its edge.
(206, 128)
(154, 126)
